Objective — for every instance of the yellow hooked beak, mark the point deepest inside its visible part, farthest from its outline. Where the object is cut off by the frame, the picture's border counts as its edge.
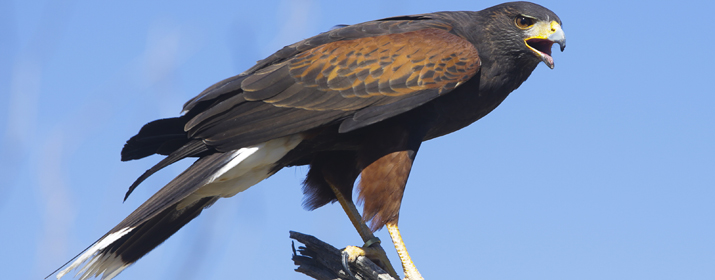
(543, 35)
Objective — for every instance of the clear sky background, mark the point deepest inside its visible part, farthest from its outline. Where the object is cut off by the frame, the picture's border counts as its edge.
(602, 168)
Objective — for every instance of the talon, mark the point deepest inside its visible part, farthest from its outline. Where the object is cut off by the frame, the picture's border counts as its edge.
(346, 264)
(350, 254)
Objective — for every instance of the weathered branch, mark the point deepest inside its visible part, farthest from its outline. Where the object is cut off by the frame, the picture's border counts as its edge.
(322, 261)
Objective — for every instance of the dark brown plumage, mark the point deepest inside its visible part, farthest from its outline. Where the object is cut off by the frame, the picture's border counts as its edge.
(356, 100)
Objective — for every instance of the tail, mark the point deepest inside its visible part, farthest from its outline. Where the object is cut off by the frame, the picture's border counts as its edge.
(198, 187)
(123, 246)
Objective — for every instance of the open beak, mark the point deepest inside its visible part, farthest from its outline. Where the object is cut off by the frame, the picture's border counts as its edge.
(544, 35)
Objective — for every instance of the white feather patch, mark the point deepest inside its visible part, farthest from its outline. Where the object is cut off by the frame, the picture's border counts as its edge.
(247, 167)
(99, 263)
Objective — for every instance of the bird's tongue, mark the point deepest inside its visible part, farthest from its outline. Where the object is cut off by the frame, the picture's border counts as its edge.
(548, 59)
(543, 46)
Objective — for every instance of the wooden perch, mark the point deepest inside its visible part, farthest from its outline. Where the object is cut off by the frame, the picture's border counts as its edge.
(322, 261)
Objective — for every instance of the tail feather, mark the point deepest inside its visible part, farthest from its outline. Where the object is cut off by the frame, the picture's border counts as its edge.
(155, 231)
(180, 201)
(118, 250)
(191, 148)
(92, 255)
(146, 224)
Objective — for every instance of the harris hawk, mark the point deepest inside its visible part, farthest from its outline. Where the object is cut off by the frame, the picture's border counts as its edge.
(356, 101)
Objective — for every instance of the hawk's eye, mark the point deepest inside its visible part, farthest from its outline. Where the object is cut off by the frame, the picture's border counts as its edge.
(524, 22)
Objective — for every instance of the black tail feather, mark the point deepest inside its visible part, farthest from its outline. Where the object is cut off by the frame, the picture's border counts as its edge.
(156, 230)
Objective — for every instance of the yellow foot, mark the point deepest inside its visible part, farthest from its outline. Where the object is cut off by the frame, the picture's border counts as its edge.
(350, 254)
(371, 250)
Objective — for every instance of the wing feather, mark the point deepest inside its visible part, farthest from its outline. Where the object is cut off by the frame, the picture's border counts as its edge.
(359, 74)
(265, 85)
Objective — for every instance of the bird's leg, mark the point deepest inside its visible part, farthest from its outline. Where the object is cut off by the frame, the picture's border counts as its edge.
(372, 248)
(354, 215)
(408, 266)
(381, 187)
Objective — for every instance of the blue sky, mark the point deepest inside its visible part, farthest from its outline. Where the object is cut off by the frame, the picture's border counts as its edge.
(602, 168)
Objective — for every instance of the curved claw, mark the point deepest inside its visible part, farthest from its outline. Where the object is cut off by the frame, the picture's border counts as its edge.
(346, 263)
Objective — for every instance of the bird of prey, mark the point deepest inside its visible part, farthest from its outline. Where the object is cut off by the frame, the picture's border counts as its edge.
(356, 101)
